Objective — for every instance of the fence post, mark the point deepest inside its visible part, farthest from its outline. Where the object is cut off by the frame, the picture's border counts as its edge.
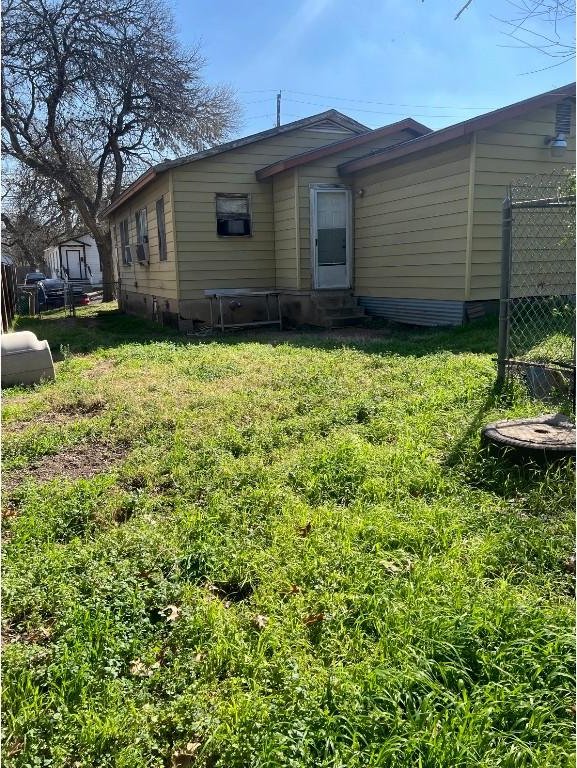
(506, 253)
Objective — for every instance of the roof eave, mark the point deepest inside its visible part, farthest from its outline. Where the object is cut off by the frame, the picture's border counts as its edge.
(453, 132)
(149, 176)
(142, 181)
(329, 114)
(408, 124)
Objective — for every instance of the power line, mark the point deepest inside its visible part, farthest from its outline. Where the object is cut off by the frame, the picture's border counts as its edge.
(370, 111)
(383, 103)
(257, 117)
(256, 101)
(368, 101)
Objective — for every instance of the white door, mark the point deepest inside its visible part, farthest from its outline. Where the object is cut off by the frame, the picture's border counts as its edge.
(74, 264)
(331, 219)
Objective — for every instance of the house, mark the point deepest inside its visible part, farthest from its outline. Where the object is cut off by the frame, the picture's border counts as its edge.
(400, 221)
(75, 259)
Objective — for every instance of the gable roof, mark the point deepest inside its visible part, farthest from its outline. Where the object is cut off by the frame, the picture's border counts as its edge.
(324, 119)
(54, 243)
(72, 240)
(408, 124)
(467, 127)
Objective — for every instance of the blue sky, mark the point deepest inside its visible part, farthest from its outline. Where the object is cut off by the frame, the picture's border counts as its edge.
(376, 60)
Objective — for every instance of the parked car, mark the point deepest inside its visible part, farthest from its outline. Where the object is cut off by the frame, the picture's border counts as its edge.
(34, 277)
(53, 292)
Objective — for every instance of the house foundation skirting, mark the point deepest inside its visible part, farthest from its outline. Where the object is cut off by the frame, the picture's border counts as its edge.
(428, 312)
(415, 311)
(302, 308)
(157, 308)
(297, 308)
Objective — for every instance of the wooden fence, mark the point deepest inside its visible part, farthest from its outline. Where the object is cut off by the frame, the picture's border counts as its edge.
(8, 297)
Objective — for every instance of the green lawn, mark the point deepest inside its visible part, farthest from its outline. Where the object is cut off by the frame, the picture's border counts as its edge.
(279, 550)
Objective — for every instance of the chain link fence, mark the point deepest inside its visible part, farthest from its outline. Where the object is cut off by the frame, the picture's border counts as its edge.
(55, 295)
(537, 308)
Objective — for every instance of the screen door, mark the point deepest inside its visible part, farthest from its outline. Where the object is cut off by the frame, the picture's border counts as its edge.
(331, 225)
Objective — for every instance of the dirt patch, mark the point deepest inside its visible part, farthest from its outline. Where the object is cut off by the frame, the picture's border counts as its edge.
(104, 366)
(77, 462)
(36, 636)
(7, 398)
(82, 408)
(63, 414)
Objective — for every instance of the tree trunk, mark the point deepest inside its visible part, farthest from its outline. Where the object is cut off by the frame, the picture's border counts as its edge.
(104, 244)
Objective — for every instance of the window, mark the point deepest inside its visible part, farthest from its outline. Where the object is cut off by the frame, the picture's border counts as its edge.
(141, 235)
(160, 223)
(124, 242)
(233, 215)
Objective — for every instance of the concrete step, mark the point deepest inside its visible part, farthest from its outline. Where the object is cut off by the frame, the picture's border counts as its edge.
(326, 300)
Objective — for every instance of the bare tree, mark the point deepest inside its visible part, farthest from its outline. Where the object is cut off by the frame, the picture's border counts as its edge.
(35, 213)
(94, 90)
(545, 25)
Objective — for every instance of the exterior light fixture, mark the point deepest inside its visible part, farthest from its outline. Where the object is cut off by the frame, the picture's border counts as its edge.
(557, 145)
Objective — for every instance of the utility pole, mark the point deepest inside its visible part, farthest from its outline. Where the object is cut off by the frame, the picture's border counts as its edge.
(278, 98)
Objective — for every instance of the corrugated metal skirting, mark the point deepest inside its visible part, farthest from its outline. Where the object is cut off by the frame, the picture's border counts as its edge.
(415, 311)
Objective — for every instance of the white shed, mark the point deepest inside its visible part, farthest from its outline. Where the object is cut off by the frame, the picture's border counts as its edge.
(75, 259)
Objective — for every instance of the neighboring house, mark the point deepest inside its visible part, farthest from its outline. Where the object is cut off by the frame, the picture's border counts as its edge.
(401, 219)
(75, 259)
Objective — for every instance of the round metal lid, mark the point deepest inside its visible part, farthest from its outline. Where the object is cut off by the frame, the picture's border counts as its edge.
(552, 432)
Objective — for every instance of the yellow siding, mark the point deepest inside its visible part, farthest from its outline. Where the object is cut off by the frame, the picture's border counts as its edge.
(510, 151)
(411, 226)
(209, 261)
(285, 199)
(159, 277)
(325, 172)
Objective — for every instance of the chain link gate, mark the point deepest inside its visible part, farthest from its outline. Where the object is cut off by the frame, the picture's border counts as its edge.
(537, 304)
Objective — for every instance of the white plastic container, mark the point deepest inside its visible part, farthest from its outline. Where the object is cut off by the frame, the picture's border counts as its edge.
(24, 359)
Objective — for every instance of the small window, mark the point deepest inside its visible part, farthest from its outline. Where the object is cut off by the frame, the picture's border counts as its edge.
(161, 225)
(233, 215)
(124, 242)
(141, 234)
